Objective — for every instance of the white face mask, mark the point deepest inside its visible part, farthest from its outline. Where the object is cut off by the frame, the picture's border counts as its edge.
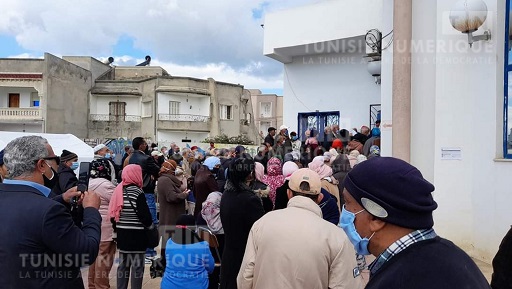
(51, 170)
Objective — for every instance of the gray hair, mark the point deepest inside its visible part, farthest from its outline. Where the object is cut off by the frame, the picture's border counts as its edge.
(21, 155)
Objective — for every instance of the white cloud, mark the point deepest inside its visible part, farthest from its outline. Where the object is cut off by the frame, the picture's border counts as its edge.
(193, 35)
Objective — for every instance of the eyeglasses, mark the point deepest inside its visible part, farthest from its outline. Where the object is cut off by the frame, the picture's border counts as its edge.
(54, 158)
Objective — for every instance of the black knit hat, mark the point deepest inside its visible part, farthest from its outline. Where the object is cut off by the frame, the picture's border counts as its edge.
(394, 191)
(67, 156)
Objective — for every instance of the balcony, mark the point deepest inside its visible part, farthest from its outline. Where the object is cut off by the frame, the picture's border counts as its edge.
(17, 114)
(184, 122)
(116, 118)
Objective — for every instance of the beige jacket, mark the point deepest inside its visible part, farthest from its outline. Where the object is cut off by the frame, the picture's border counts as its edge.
(295, 248)
(330, 184)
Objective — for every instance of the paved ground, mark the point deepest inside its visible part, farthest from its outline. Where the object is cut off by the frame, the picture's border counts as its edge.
(149, 283)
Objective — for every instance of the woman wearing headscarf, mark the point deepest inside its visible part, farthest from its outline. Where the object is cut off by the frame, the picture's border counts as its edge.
(352, 158)
(282, 192)
(274, 177)
(329, 183)
(204, 184)
(130, 211)
(260, 188)
(239, 209)
(100, 182)
(171, 199)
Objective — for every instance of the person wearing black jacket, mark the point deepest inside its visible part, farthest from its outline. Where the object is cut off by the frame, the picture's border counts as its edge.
(240, 207)
(391, 218)
(40, 245)
(150, 172)
(502, 264)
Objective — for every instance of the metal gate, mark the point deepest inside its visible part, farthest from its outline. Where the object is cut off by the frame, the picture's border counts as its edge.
(317, 121)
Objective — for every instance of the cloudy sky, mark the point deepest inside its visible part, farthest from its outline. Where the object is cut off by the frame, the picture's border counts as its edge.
(222, 39)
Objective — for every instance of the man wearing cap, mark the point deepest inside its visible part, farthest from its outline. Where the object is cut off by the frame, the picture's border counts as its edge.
(295, 247)
(388, 213)
(269, 139)
(100, 152)
(286, 143)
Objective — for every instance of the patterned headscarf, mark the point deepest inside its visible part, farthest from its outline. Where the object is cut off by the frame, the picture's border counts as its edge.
(100, 168)
(274, 179)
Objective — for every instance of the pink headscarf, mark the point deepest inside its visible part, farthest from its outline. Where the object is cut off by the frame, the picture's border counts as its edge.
(288, 169)
(320, 167)
(132, 175)
(259, 169)
(274, 179)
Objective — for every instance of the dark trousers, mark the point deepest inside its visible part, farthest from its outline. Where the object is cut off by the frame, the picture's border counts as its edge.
(502, 264)
(130, 265)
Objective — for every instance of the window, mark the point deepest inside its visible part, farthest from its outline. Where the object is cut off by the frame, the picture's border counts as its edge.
(226, 111)
(35, 103)
(266, 109)
(147, 109)
(174, 107)
(116, 111)
(507, 124)
(264, 125)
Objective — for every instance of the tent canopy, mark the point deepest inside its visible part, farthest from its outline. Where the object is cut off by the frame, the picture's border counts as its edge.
(58, 142)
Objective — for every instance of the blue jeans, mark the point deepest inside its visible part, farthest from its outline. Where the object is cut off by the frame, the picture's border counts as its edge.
(150, 199)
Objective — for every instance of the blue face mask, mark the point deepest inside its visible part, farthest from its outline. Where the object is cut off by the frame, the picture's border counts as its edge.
(107, 155)
(347, 224)
(294, 138)
(74, 166)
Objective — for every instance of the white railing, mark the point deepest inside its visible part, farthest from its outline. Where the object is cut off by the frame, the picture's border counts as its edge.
(183, 117)
(108, 117)
(20, 113)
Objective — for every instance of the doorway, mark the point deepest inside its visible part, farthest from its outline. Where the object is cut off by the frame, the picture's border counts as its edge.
(14, 100)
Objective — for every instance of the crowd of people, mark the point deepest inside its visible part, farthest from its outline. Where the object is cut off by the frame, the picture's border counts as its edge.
(299, 214)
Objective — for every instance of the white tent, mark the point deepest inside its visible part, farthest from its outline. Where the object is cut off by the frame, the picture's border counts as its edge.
(58, 142)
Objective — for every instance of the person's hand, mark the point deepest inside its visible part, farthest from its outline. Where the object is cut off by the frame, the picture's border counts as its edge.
(91, 200)
(187, 192)
(70, 194)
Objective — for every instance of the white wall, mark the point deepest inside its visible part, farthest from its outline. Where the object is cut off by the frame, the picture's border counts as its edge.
(473, 194)
(166, 137)
(387, 83)
(99, 105)
(319, 22)
(25, 94)
(329, 82)
(20, 127)
(200, 104)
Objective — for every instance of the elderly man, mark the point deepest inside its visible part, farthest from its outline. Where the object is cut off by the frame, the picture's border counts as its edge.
(39, 244)
(295, 247)
(388, 213)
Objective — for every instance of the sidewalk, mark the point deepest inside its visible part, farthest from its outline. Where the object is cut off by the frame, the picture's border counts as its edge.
(149, 283)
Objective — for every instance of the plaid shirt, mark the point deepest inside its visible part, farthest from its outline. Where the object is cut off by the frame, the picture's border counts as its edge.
(400, 245)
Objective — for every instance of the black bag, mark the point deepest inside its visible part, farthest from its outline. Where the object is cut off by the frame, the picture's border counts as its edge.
(152, 235)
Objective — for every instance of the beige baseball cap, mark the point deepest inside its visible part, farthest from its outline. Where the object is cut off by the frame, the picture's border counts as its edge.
(308, 176)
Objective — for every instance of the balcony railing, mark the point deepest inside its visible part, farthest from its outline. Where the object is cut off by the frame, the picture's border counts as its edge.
(20, 113)
(108, 117)
(184, 117)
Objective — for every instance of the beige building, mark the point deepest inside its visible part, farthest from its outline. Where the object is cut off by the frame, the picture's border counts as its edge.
(147, 101)
(268, 110)
(90, 99)
(47, 95)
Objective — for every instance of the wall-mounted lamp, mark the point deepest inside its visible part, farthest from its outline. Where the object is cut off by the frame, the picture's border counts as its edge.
(373, 40)
(374, 68)
(467, 16)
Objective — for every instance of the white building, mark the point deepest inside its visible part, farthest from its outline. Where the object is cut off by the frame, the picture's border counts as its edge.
(457, 133)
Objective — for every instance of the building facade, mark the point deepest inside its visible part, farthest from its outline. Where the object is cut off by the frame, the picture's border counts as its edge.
(46, 95)
(321, 47)
(92, 100)
(146, 101)
(459, 99)
(268, 110)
